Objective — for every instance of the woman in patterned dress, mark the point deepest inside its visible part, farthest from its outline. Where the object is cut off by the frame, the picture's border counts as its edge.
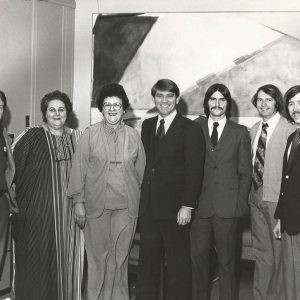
(47, 241)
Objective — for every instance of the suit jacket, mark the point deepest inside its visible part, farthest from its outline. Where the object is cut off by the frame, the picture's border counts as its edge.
(173, 176)
(9, 174)
(273, 157)
(227, 173)
(288, 206)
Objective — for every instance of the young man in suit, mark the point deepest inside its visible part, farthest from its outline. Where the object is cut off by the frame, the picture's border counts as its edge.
(7, 170)
(269, 137)
(288, 207)
(175, 151)
(224, 194)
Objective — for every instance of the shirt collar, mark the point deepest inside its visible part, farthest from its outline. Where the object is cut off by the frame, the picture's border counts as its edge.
(272, 122)
(221, 122)
(168, 120)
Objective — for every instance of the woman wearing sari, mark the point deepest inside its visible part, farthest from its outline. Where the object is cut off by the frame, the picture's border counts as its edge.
(47, 241)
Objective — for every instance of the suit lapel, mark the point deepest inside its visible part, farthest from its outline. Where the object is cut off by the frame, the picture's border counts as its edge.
(225, 138)
(206, 135)
(169, 137)
(290, 163)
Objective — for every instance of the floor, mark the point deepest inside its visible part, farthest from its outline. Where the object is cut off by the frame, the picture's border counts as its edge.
(245, 284)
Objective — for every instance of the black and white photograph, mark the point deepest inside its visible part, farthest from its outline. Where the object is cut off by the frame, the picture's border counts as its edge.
(149, 150)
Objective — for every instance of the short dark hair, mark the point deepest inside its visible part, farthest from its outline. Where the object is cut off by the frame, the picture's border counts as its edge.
(223, 89)
(274, 92)
(165, 85)
(56, 95)
(3, 98)
(291, 92)
(112, 90)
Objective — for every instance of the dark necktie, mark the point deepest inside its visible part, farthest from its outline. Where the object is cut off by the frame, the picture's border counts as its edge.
(259, 160)
(161, 130)
(214, 135)
(295, 143)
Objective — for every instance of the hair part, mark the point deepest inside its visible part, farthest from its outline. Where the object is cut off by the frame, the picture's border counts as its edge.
(112, 90)
(56, 95)
(165, 85)
(274, 92)
(223, 89)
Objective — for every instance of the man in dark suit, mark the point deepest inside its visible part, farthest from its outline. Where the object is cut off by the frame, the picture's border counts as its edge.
(224, 194)
(175, 151)
(288, 207)
(7, 199)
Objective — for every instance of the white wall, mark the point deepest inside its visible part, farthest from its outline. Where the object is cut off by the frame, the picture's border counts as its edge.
(36, 55)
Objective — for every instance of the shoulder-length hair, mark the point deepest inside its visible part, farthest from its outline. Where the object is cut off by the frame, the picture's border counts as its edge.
(223, 89)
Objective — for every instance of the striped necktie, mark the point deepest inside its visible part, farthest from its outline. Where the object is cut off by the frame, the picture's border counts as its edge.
(259, 160)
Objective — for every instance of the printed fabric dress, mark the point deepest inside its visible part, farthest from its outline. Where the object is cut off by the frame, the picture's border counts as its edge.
(49, 246)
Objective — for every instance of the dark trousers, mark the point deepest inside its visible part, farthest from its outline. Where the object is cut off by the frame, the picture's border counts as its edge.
(4, 214)
(223, 234)
(156, 235)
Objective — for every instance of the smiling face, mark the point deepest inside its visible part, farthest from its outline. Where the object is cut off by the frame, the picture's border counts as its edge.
(265, 105)
(112, 110)
(56, 114)
(217, 106)
(165, 102)
(294, 108)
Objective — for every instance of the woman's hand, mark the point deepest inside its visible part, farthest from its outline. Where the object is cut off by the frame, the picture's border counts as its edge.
(80, 217)
(277, 231)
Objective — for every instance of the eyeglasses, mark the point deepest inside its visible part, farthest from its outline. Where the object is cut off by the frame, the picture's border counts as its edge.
(115, 106)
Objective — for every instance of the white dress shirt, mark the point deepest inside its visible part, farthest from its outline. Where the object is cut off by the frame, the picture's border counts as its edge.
(220, 128)
(168, 120)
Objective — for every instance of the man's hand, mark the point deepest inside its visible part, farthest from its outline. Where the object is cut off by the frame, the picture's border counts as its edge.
(80, 217)
(277, 231)
(184, 215)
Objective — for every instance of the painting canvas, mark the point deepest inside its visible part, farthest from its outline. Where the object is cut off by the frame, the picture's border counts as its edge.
(195, 50)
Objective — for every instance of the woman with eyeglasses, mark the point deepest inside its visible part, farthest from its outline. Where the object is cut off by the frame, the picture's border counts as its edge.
(47, 240)
(105, 182)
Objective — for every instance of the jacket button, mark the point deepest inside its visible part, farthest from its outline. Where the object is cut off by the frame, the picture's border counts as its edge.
(153, 170)
(287, 176)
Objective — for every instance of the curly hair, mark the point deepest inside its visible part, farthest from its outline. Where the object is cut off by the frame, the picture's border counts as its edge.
(112, 90)
(56, 95)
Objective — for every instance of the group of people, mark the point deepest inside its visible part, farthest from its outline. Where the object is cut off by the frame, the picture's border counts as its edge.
(187, 182)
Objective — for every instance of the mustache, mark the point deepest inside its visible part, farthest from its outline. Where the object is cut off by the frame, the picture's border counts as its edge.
(217, 107)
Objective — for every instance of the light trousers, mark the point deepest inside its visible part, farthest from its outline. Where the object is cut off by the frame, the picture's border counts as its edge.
(107, 243)
(267, 282)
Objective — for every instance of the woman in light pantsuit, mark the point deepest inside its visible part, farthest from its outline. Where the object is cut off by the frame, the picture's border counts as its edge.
(105, 184)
